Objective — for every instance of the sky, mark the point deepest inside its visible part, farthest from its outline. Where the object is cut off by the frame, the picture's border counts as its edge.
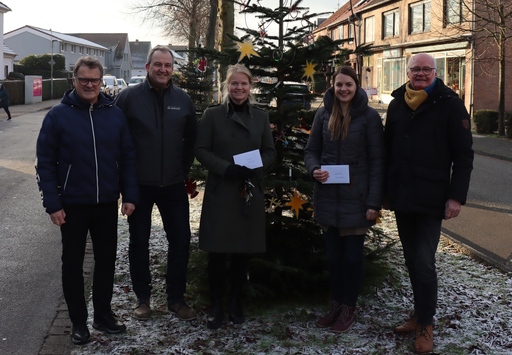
(114, 16)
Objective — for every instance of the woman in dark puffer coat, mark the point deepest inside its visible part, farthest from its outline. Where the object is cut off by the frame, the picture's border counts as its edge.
(349, 133)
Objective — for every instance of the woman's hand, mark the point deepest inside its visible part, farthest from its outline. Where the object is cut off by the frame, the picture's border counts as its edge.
(321, 175)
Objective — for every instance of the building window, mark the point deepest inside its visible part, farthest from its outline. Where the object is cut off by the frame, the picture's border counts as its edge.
(333, 34)
(81, 49)
(63, 47)
(369, 29)
(392, 74)
(452, 12)
(391, 23)
(351, 33)
(73, 48)
(420, 17)
(341, 32)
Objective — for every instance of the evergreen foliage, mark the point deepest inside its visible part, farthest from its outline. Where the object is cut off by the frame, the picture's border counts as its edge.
(294, 263)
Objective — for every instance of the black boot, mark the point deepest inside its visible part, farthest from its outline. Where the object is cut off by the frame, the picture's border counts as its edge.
(238, 277)
(216, 278)
(215, 316)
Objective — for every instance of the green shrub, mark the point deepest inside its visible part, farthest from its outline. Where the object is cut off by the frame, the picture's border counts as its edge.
(508, 125)
(486, 121)
(15, 76)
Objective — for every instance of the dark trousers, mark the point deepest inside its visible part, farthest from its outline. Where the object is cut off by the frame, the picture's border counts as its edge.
(172, 202)
(6, 109)
(420, 235)
(345, 262)
(101, 222)
(218, 274)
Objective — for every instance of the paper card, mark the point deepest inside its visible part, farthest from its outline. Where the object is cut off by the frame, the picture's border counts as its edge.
(338, 174)
(251, 159)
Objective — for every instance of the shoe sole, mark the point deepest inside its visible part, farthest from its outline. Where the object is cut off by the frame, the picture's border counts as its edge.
(80, 342)
(103, 328)
(342, 331)
(142, 319)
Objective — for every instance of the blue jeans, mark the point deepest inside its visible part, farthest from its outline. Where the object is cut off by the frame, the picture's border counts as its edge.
(172, 202)
(420, 235)
(345, 262)
(101, 222)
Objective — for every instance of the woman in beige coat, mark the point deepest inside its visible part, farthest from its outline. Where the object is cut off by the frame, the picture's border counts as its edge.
(233, 215)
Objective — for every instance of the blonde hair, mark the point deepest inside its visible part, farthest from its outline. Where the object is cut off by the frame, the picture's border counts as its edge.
(338, 124)
(234, 69)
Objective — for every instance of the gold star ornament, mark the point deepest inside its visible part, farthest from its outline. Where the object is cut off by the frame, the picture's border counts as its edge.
(309, 70)
(246, 49)
(296, 203)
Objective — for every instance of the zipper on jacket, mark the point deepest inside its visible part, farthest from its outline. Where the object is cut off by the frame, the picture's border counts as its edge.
(95, 155)
(67, 177)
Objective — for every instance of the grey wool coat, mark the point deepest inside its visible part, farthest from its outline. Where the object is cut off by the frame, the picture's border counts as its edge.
(224, 226)
(345, 205)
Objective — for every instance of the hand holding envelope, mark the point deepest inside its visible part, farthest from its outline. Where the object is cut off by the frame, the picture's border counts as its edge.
(338, 174)
(250, 159)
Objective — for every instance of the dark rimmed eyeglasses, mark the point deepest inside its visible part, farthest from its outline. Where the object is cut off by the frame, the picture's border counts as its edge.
(425, 70)
(86, 81)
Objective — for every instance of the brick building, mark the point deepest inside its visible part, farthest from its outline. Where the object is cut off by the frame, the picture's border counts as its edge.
(466, 59)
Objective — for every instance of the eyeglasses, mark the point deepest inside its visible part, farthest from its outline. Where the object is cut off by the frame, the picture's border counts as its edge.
(425, 70)
(86, 81)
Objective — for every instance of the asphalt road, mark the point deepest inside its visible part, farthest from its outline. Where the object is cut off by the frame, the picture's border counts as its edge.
(30, 284)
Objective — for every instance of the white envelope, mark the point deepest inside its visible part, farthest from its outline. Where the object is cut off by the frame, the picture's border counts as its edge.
(251, 159)
(338, 174)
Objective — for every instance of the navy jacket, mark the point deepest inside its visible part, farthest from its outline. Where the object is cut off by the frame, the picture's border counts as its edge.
(85, 154)
(429, 152)
(345, 205)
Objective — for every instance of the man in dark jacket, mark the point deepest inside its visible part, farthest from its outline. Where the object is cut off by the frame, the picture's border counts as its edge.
(430, 158)
(85, 158)
(163, 124)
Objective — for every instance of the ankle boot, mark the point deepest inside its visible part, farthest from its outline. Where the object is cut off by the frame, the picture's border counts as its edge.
(408, 327)
(236, 314)
(345, 320)
(424, 341)
(329, 319)
(215, 316)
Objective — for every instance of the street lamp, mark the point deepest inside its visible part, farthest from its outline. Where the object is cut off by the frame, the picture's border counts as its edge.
(52, 62)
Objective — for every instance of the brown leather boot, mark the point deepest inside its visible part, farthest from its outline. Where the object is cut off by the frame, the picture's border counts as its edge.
(408, 327)
(329, 319)
(346, 319)
(424, 341)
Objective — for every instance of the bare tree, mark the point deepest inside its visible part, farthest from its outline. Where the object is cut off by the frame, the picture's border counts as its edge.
(489, 22)
(181, 19)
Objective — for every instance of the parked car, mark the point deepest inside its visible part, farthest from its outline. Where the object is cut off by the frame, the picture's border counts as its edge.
(112, 84)
(295, 94)
(122, 84)
(105, 88)
(134, 80)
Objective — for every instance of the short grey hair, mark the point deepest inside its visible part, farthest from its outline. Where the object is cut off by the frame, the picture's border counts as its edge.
(160, 48)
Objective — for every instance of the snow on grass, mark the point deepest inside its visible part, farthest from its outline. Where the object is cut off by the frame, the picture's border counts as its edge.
(474, 312)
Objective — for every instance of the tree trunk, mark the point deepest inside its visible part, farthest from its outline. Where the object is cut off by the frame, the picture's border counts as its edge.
(226, 25)
(501, 83)
(212, 24)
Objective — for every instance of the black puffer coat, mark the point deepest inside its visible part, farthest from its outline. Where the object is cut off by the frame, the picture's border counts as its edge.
(345, 205)
(429, 152)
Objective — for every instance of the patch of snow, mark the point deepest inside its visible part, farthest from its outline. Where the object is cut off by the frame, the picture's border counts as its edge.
(474, 314)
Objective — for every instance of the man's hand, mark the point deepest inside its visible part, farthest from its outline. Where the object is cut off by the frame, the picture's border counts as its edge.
(58, 218)
(452, 209)
(127, 209)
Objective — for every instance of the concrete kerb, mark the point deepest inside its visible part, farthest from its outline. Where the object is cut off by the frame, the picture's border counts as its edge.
(58, 341)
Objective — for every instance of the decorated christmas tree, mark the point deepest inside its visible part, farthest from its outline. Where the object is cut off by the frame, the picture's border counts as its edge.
(283, 64)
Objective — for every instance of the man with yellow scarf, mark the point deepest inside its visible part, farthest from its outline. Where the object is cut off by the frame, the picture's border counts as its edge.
(429, 164)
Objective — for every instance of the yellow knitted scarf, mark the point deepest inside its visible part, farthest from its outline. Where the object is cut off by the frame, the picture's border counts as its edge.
(414, 98)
